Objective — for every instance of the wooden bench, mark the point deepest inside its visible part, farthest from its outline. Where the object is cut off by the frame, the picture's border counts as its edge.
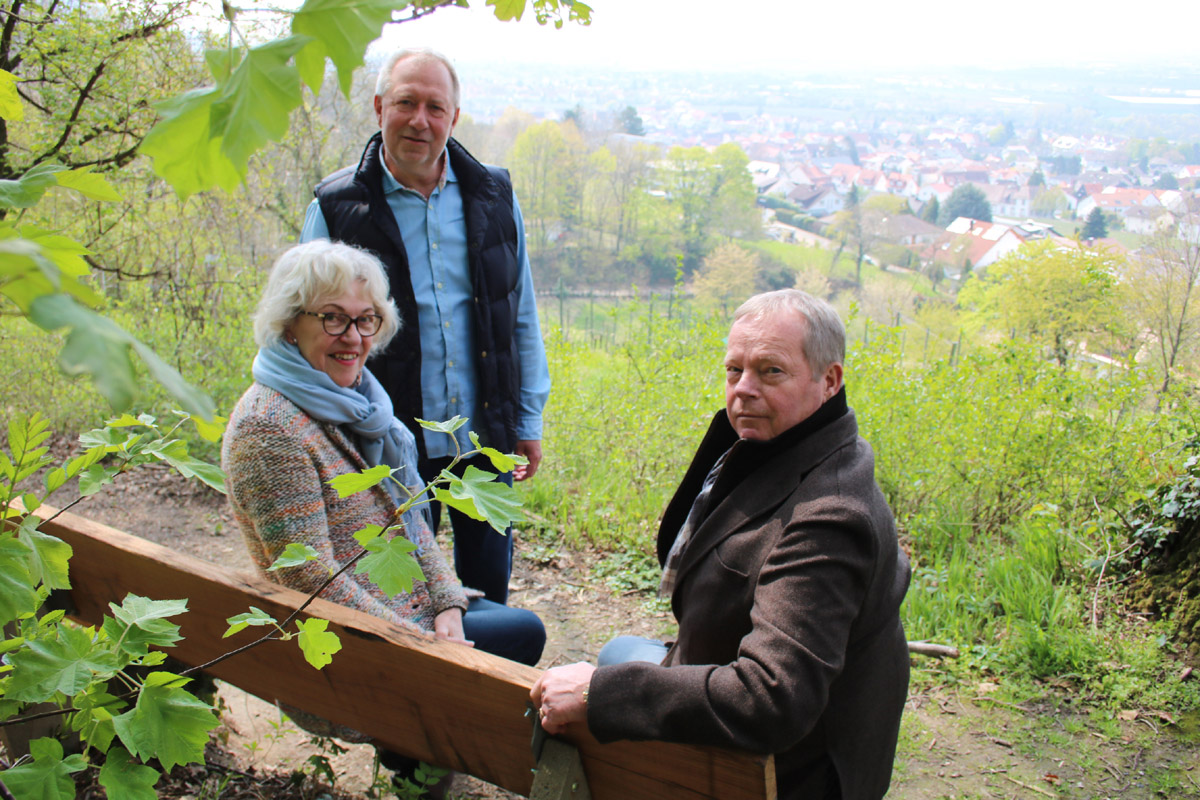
(442, 703)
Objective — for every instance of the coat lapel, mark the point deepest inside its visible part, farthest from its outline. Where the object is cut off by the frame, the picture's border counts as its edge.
(763, 489)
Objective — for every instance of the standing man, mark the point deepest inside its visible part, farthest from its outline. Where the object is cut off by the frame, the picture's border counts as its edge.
(451, 235)
(782, 564)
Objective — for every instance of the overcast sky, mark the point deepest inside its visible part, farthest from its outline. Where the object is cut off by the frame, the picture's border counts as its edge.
(806, 35)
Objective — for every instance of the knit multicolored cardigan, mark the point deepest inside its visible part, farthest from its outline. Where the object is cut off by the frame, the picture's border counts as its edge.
(278, 461)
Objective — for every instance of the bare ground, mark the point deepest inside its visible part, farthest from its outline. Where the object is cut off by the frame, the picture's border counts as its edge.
(956, 742)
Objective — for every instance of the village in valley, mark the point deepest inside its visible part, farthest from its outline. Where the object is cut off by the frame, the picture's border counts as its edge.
(1105, 157)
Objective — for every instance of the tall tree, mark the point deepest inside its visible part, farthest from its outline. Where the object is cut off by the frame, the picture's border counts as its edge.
(630, 122)
(1095, 227)
(967, 200)
(89, 73)
(726, 278)
(1162, 291)
(1059, 297)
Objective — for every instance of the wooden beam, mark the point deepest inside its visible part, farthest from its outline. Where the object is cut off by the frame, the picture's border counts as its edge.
(442, 703)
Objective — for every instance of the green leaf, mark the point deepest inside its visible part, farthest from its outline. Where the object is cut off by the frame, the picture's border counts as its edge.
(124, 421)
(508, 9)
(367, 534)
(480, 496)
(10, 101)
(95, 478)
(501, 461)
(184, 152)
(189, 467)
(255, 104)
(449, 426)
(355, 482)
(255, 616)
(55, 479)
(167, 723)
(47, 776)
(139, 623)
(27, 190)
(67, 664)
(93, 717)
(89, 184)
(341, 31)
(48, 555)
(390, 565)
(17, 596)
(98, 347)
(318, 644)
(87, 459)
(210, 429)
(124, 779)
(295, 555)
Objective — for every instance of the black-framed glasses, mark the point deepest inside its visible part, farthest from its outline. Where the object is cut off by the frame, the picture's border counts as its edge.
(336, 323)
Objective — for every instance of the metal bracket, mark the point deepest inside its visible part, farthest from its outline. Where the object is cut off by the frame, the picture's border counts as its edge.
(559, 773)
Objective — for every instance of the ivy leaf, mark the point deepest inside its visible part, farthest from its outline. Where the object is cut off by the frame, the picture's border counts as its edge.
(294, 555)
(10, 101)
(89, 184)
(503, 462)
(27, 190)
(480, 496)
(139, 623)
(390, 565)
(124, 779)
(341, 31)
(167, 723)
(48, 555)
(258, 99)
(318, 644)
(98, 347)
(67, 664)
(17, 596)
(184, 153)
(355, 482)
(47, 776)
(239, 622)
(449, 426)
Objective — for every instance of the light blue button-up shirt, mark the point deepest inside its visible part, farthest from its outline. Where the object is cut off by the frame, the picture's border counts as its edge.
(435, 238)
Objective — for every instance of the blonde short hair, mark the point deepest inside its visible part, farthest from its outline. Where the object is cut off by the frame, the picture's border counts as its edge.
(824, 334)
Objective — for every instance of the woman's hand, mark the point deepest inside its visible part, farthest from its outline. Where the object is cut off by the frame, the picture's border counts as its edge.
(560, 696)
(448, 627)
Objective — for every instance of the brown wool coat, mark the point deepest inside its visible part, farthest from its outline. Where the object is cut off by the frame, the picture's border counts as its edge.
(787, 599)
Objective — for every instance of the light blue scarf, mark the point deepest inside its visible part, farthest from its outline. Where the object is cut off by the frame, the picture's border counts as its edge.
(365, 410)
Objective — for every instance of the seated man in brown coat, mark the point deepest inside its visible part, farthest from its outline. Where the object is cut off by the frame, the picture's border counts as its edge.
(783, 568)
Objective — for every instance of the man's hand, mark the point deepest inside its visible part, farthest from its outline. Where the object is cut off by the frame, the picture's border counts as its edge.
(559, 696)
(532, 450)
(448, 627)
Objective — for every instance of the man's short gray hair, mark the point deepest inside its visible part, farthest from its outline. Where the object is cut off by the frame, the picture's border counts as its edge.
(824, 333)
(383, 83)
(309, 273)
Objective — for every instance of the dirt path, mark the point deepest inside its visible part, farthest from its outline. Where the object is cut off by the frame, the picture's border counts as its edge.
(955, 743)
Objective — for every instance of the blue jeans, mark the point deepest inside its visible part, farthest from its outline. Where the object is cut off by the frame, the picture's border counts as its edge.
(482, 556)
(513, 633)
(624, 649)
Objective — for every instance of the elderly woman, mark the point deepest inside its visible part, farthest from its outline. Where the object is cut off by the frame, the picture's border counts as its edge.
(315, 412)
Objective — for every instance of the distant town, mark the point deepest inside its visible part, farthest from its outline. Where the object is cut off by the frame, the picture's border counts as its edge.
(1045, 147)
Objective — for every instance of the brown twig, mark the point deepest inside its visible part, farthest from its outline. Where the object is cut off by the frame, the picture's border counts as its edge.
(933, 650)
(1037, 789)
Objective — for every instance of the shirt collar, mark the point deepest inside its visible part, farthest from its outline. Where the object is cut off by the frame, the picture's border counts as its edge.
(390, 184)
